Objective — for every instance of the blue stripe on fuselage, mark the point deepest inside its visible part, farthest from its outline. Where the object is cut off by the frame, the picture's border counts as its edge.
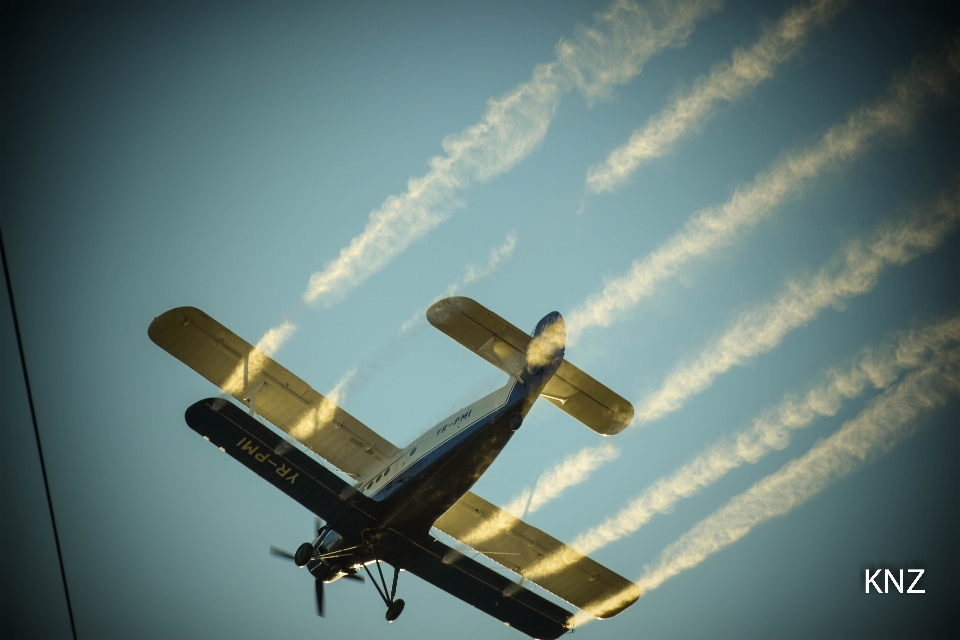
(442, 449)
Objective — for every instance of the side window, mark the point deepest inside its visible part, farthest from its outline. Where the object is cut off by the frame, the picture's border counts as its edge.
(386, 471)
(378, 478)
(413, 451)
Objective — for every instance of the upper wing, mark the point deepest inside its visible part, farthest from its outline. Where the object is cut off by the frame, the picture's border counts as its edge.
(479, 586)
(505, 346)
(252, 377)
(538, 557)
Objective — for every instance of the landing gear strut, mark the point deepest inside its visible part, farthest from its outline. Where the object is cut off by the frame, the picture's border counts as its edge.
(394, 605)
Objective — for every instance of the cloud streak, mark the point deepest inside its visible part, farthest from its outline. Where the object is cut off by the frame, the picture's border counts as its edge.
(274, 338)
(727, 82)
(928, 79)
(878, 429)
(854, 272)
(874, 367)
(248, 368)
(472, 273)
(322, 415)
(567, 473)
(875, 431)
(609, 52)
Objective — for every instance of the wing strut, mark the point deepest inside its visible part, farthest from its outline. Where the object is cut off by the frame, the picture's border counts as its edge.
(394, 605)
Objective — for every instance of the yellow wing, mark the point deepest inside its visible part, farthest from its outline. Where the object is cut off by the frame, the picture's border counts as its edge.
(538, 557)
(256, 380)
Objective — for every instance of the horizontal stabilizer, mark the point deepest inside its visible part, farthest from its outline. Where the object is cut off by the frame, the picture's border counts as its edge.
(505, 347)
(538, 557)
(256, 380)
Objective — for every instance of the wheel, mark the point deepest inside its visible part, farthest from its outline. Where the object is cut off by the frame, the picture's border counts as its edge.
(303, 554)
(394, 610)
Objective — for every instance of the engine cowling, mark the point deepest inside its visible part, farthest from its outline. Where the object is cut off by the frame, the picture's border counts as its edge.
(329, 569)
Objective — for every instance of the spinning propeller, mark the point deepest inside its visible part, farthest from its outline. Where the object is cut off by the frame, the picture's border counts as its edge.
(302, 557)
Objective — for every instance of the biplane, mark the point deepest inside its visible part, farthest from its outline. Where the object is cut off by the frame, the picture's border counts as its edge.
(385, 500)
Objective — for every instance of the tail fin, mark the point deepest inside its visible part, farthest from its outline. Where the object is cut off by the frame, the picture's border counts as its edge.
(546, 349)
(511, 350)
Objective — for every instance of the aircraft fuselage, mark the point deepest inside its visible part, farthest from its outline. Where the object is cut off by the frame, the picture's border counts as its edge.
(422, 481)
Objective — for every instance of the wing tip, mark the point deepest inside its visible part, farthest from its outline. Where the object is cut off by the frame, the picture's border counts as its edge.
(164, 319)
(617, 604)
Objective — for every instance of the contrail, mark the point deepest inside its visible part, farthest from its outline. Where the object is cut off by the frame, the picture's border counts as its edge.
(875, 367)
(715, 227)
(268, 345)
(274, 338)
(322, 415)
(350, 381)
(610, 52)
(875, 431)
(569, 472)
(473, 273)
(727, 82)
(879, 428)
(878, 367)
(854, 272)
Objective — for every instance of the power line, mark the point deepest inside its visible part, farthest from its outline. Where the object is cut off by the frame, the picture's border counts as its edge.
(36, 432)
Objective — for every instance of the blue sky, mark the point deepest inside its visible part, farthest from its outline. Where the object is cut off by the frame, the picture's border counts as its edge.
(798, 230)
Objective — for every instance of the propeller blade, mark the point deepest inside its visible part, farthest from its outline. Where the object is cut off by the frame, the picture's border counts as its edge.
(353, 576)
(319, 597)
(280, 553)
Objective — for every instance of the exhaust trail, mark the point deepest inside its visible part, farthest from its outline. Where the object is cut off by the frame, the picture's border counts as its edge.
(269, 344)
(473, 273)
(395, 347)
(727, 82)
(874, 432)
(322, 415)
(887, 421)
(928, 80)
(274, 338)
(567, 473)
(876, 367)
(855, 271)
(609, 52)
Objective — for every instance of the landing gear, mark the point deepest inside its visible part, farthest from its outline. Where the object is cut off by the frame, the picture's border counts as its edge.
(394, 605)
(303, 554)
(394, 610)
